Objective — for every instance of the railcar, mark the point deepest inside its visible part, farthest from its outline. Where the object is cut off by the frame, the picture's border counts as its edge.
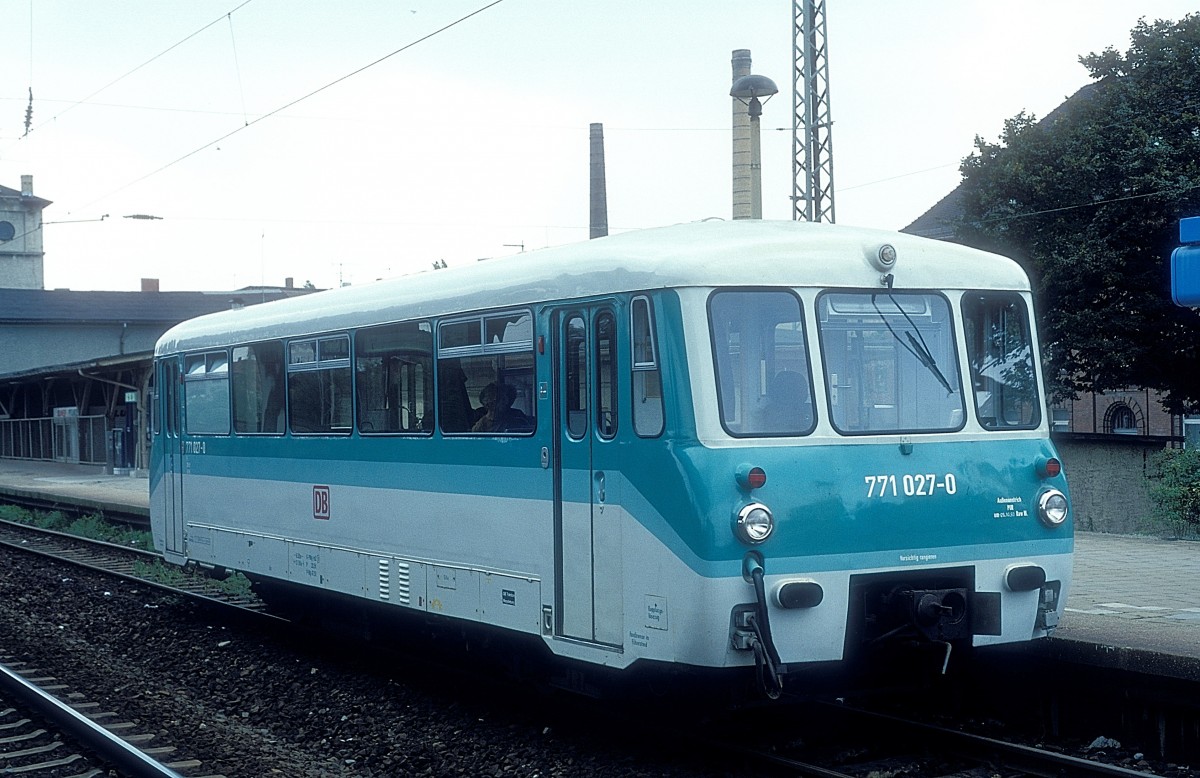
(752, 446)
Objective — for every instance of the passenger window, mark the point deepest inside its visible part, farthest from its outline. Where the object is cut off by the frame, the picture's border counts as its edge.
(763, 378)
(606, 375)
(206, 393)
(485, 375)
(1000, 352)
(394, 378)
(258, 389)
(319, 400)
(576, 376)
(647, 381)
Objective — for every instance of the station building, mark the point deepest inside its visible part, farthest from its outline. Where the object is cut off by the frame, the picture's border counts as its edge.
(76, 366)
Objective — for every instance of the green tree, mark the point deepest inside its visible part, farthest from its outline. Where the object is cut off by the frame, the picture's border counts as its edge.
(1175, 489)
(1088, 200)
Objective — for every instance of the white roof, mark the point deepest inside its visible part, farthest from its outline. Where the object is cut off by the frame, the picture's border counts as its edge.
(699, 254)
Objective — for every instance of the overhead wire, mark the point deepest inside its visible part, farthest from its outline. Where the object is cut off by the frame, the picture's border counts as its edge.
(119, 78)
(237, 68)
(1043, 212)
(297, 101)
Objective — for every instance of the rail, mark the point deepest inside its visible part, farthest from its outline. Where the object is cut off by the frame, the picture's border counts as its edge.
(120, 561)
(902, 741)
(126, 757)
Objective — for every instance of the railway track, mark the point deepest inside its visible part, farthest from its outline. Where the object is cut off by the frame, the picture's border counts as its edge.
(883, 745)
(123, 562)
(47, 731)
(72, 736)
(890, 745)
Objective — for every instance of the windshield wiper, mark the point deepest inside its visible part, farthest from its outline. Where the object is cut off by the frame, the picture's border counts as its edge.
(921, 352)
(916, 345)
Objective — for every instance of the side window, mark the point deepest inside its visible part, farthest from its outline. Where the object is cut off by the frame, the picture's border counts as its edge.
(606, 374)
(393, 367)
(153, 399)
(1000, 351)
(763, 381)
(206, 393)
(170, 385)
(647, 380)
(258, 388)
(576, 400)
(485, 374)
(319, 400)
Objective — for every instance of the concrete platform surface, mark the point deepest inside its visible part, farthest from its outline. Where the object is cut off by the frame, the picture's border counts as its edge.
(85, 485)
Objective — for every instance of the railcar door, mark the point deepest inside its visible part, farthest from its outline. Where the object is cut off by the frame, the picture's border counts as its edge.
(587, 526)
(170, 379)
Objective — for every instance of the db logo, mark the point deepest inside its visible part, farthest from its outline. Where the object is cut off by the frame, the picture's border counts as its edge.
(321, 502)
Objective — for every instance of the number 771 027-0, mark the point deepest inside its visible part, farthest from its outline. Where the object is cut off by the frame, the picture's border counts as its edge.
(918, 485)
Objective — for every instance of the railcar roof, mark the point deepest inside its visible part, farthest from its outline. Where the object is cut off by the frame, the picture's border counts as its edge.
(714, 253)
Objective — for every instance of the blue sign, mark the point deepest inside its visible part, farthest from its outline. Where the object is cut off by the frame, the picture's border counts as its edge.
(1185, 264)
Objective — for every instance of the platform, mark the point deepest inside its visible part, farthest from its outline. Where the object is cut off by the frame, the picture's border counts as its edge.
(1134, 602)
(83, 485)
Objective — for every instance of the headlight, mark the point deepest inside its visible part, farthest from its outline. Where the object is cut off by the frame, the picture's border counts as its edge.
(1052, 507)
(754, 523)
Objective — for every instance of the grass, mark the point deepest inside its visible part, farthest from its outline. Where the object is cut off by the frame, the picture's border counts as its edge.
(94, 527)
(236, 585)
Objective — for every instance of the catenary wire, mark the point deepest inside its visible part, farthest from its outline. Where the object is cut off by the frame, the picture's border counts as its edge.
(170, 48)
(297, 101)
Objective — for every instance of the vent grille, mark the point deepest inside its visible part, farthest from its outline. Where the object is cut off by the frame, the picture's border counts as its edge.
(403, 583)
(398, 586)
(385, 588)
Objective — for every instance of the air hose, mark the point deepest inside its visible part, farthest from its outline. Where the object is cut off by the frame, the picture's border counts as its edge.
(766, 657)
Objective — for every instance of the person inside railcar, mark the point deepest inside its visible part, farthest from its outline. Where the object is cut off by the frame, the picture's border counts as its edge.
(498, 415)
(454, 403)
(788, 408)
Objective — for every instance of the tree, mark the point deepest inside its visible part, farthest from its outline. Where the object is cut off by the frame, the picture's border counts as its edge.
(1175, 489)
(1088, 200)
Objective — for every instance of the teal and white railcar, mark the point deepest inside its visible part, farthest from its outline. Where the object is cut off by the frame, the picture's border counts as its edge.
(721, 445)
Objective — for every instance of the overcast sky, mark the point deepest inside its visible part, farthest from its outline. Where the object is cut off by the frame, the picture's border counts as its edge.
(473, 142)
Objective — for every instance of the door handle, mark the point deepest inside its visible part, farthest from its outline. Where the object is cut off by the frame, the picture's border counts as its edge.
(600, 485)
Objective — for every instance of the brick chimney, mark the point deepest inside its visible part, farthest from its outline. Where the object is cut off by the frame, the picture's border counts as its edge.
(149, 284)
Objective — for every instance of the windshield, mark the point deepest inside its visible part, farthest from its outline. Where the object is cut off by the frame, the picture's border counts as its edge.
(763, 378)
(1001, 356)
(890, 362)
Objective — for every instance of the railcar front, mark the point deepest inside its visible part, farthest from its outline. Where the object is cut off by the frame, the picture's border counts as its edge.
(873, 466)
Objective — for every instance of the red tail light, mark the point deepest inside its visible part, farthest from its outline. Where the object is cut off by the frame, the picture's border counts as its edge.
(1049, 468)
(749, 477)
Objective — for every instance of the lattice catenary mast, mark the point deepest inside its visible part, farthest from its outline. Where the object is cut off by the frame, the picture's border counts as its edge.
(812, 142)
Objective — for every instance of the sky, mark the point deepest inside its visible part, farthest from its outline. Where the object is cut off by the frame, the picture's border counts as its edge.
(339, 143)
